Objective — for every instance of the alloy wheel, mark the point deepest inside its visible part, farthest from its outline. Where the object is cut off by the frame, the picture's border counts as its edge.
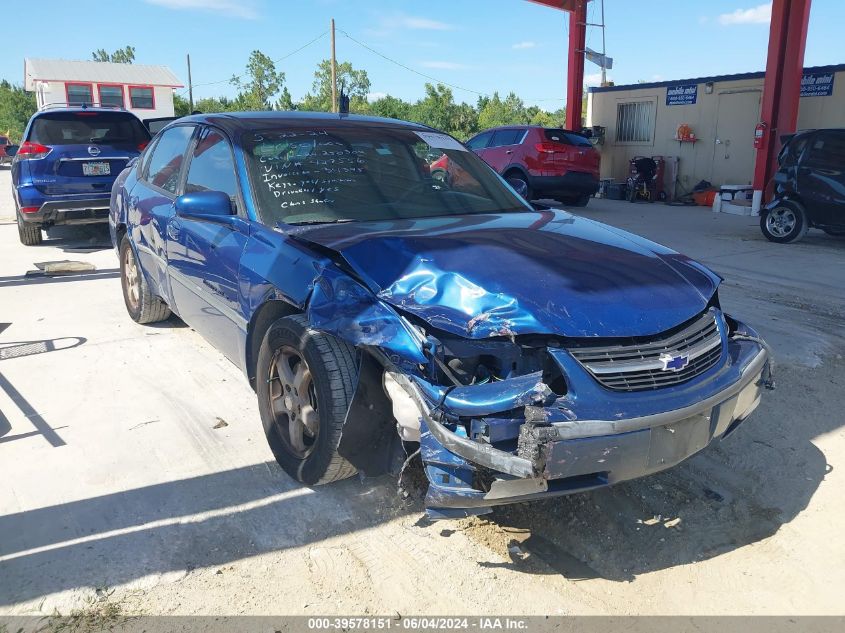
(293, 402)
(781, 221)
(131, 278)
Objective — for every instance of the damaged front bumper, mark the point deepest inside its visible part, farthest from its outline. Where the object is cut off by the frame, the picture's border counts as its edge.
(514, 440)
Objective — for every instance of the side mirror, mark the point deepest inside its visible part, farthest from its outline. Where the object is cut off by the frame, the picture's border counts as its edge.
(11, 150)
(210, 206)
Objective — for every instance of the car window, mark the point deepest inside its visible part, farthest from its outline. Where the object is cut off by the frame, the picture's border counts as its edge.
(791, 152)
(506, 137)
(212, 167)
(368, 173)
(827, 151)
(165, 162)
(480, 141)
(568, 138)
(85, 127)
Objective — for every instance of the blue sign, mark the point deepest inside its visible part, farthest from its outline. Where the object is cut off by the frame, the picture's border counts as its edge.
(817, 84)
(684, 94)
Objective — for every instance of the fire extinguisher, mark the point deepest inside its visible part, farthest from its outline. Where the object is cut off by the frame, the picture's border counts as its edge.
(760, 135)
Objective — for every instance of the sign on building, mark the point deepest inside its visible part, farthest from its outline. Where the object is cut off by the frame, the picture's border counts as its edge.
(817, 84)
(683, 94)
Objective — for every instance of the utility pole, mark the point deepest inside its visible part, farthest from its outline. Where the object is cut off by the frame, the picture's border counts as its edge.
(190, 88)
(603, 50)
(334, 73)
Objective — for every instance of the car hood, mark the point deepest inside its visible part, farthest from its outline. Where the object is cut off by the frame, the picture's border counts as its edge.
(546, 272)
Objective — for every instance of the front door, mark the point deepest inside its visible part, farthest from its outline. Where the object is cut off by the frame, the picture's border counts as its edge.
(733, 156)
(204, 256)
(821, 177)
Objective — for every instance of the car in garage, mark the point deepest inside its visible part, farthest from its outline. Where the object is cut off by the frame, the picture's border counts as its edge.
(64, 169)
(542, 162)
(809, 187)
(378, 311)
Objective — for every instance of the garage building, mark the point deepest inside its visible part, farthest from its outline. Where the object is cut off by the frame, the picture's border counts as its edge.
(144, 90)
(721, 112)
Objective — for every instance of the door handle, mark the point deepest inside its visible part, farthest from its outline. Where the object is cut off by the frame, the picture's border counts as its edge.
(510, 151)
(718, 141)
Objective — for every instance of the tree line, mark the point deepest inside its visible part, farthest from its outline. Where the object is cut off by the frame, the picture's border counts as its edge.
(262, 87)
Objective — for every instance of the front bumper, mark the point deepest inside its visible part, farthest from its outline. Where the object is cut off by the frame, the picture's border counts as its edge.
(86, 211)
(558, 451)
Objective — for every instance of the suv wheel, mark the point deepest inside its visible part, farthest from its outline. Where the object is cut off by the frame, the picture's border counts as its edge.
(28, 232)
(520, 184)
(141, 304)
(305, 383)
(785, 223)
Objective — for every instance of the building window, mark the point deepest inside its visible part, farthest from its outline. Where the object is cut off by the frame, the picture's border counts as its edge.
(142, 97)
(111, 95)
(79, 94)
(634, 122)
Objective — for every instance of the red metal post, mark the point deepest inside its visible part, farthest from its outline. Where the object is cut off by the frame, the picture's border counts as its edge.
(575, 66)
(782, 86)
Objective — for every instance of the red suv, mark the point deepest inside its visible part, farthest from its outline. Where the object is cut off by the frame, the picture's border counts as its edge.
(542, 162)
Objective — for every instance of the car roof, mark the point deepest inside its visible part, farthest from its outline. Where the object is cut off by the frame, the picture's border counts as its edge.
(235, 122)
(74, 109)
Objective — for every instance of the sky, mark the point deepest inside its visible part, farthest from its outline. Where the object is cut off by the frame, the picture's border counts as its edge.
(478, 46)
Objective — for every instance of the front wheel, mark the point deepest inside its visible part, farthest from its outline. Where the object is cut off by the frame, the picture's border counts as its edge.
(305, 381)
(784, 223)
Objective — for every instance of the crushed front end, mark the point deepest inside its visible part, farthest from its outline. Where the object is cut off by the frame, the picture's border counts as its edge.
(510, 419)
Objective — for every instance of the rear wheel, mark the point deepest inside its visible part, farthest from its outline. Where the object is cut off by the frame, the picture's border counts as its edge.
(579, 201)
(520, 184)
(305, 383)
(785, 223)
(29, 233)
(141, 304)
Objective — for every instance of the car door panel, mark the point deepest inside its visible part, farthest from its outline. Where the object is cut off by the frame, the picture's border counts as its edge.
(204, 255)
(821, 178)
(151, 207)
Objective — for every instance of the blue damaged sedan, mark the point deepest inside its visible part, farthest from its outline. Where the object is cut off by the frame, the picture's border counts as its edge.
(377, 311)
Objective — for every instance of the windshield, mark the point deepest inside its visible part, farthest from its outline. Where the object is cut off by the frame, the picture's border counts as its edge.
(346, 173)
(73, 128)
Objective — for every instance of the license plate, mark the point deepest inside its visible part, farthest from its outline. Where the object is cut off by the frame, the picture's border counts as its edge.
(96, 169)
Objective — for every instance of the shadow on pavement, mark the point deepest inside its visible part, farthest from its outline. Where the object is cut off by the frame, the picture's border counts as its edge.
(28, 280)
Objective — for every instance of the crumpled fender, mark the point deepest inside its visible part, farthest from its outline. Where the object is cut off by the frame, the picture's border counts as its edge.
(343, 307)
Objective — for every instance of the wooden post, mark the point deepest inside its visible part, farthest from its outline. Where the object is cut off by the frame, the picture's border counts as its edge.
(190, 88)
(334, 73)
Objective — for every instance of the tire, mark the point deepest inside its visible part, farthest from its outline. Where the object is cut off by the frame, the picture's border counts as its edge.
(29, 233)
(520, 184)
(785, 223)
(580, 201)
(141, 304)
(305, 443)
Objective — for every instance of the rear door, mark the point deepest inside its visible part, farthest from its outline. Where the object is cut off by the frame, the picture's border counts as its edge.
(151, 202)
(88, 149)
(500, 153)
(204, 257)
(821, 177)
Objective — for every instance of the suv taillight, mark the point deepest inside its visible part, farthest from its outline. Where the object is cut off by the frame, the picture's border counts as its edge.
(33, 151)
(548, 148)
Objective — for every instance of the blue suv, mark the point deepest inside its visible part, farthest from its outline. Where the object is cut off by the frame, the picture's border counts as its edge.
(381, 313)
(64, 169)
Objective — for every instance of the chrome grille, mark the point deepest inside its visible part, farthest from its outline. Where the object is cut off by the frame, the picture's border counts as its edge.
(642, 366)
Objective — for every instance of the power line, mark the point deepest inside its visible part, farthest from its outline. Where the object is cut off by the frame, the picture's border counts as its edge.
(435, 79)
(275, 61)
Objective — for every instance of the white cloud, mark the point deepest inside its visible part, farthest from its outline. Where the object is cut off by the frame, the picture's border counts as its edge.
(760, 14)
(523, 45)
(413, 22)
(231, 8)
(443, 65)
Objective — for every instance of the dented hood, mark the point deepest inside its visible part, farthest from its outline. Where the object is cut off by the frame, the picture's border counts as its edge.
(521, 273)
